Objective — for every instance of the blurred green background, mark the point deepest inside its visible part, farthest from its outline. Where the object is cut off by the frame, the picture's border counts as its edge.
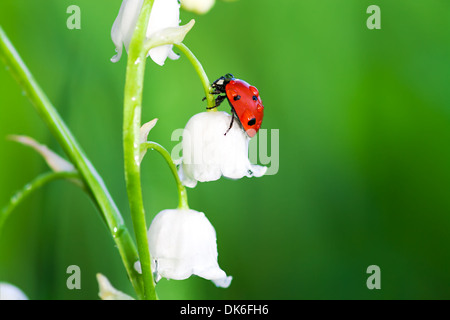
(364, 173)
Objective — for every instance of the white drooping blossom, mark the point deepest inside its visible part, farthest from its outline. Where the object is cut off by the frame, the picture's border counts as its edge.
(209, 153)
(10, 292)
(165, 14)
(182, 243)
(197, 6)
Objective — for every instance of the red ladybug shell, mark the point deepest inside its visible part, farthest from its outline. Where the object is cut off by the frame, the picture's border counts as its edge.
(247, 105)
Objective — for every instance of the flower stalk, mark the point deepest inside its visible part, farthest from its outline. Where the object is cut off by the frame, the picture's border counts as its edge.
(201, 74)
(131, 142)
(182, 194)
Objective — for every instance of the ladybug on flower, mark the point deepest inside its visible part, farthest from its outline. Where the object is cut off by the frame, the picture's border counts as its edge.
(245, 102)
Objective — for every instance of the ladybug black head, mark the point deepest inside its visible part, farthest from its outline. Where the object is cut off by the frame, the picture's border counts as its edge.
(228, 77)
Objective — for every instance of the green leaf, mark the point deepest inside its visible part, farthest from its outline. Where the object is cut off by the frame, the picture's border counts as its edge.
(29, 188)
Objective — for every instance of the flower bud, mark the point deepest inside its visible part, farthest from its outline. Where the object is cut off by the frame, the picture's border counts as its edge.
(197, 6)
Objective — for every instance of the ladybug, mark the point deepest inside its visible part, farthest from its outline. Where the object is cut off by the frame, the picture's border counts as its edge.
(245, 102)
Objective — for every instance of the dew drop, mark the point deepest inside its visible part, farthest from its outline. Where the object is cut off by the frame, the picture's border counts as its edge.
(14, 199)
(117, 231)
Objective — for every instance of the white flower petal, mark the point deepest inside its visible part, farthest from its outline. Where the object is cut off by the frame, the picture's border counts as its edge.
(223, 282)
(173, 55)
(137, 267)
(160, 54)
(10, 292)
(209, 154)
(165, 14)
(183, 242)
(123, 27)
(161, 42)
(187, 180)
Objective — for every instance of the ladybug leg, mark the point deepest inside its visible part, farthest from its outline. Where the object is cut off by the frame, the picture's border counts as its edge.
(214, 92)
(219, 100)
(231, 124)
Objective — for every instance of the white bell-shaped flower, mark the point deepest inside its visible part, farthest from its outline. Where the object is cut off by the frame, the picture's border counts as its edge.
(10, 292)
(182, 243)
(165, 14)
(209, 153)
(197, 6)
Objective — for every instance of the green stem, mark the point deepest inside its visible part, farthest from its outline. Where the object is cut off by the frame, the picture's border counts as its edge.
(182, 194)
(201, 73)
(76, 155)
(29, 188)
(131, 134)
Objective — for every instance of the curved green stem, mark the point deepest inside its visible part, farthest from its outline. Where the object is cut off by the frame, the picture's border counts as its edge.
(131, 143)
(201, 73)
(29, 188)
(182, 194)
(91, 178)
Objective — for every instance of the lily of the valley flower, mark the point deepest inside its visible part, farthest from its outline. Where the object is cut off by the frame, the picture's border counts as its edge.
(165, 14)
(197, 6)
(209, 154)
(182, 243)
(10, 292)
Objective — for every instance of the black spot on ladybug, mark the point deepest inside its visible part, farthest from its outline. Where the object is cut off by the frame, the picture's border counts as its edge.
(251, 122)
(255, 98)
(236, 98)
